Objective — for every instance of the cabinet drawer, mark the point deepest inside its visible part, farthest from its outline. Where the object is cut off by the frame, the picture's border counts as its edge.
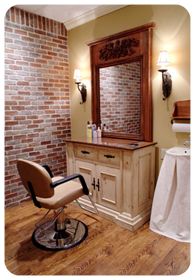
(111, 157)
(85, 152)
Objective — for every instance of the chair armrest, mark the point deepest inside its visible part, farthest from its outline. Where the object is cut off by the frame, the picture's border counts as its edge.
(70, 178)
(48, 170)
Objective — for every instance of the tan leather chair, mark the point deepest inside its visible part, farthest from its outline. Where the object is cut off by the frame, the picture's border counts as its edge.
(54, 193)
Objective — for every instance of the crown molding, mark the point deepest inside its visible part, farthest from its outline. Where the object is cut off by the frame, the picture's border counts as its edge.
(91, 15)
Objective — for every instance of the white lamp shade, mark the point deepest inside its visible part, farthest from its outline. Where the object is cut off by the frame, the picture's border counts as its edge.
(77, 75)
(163, 59)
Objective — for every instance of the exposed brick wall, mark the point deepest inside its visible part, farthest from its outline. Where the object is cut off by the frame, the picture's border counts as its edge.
(37, 106)
(120, 97)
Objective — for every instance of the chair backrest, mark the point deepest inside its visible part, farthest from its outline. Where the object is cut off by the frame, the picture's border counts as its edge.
(34, 175)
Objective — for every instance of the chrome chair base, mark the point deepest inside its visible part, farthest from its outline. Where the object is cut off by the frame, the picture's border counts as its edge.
(54, 236)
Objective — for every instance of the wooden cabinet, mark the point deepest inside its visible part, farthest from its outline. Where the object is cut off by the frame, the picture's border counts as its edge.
(109, 192)
(104, 183)
(120, 179)
(88, 171)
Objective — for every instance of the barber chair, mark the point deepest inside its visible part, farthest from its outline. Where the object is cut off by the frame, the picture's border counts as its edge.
(54, 193)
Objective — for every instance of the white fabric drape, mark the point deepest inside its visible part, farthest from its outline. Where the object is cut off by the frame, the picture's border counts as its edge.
(170, 214)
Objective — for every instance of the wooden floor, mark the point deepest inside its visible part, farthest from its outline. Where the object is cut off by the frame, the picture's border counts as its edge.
(108, 249)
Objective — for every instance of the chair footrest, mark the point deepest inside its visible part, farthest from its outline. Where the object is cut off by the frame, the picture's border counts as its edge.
(48, 237)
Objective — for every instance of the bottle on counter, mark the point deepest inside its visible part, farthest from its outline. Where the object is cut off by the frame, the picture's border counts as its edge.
(89, 130)
(99, 132)
(94, 131)
(94, 134)
(104, 127)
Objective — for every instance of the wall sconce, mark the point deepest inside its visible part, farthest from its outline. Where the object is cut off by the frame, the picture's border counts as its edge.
(166, 77)
(81, 87)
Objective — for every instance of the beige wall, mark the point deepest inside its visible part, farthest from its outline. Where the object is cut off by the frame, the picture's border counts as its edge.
(172, 32)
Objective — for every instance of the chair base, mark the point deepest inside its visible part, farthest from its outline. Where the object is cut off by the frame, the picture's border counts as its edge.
(48, 236)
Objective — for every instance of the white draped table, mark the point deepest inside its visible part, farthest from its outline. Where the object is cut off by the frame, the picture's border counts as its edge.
(170, 215)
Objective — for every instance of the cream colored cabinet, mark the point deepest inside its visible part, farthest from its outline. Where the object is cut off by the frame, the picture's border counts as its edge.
(109, 187)
(104, 183)
(88, 171)
(120, 180)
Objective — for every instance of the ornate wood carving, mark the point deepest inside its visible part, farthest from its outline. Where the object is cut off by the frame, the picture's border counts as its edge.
(118, 48)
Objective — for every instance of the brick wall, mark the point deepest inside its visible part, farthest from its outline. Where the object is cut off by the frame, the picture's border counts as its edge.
(120, 97)
(37, 107)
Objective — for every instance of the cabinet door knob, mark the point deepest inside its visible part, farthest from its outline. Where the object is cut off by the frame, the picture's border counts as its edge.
(109, 156)
(93, 183)
(98, 185)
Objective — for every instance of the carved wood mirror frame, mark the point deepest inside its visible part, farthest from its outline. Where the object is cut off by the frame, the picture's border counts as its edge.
(124, 47)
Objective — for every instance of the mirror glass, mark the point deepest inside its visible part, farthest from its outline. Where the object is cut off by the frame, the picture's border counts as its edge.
(120, 98)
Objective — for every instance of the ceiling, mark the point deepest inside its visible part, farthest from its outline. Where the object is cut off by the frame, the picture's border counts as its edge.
(71, 15)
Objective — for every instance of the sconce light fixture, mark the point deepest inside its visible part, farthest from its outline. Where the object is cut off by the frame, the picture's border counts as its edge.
(166, 77)
(81, 87)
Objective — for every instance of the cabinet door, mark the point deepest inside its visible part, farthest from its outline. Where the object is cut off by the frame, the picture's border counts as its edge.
(108, 187)
(87, 170)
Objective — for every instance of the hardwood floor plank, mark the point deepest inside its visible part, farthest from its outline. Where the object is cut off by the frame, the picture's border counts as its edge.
(175, 262)
(108, 250)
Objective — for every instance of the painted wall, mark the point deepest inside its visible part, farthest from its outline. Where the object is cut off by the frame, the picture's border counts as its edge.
(172, 32)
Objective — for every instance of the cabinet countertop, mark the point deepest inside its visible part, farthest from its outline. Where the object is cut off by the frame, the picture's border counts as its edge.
(126, 144)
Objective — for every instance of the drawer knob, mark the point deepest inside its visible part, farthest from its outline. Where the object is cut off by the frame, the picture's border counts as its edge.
(85, 152)
(109, 156)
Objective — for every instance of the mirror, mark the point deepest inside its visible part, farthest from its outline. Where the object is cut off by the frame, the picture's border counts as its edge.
(121, 83)
(120, 98)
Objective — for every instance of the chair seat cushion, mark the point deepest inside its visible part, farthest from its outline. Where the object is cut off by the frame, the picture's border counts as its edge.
(63, 194)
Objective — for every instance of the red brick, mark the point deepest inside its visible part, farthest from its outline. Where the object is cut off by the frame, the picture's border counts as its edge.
(22, 83)
(20, 32)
